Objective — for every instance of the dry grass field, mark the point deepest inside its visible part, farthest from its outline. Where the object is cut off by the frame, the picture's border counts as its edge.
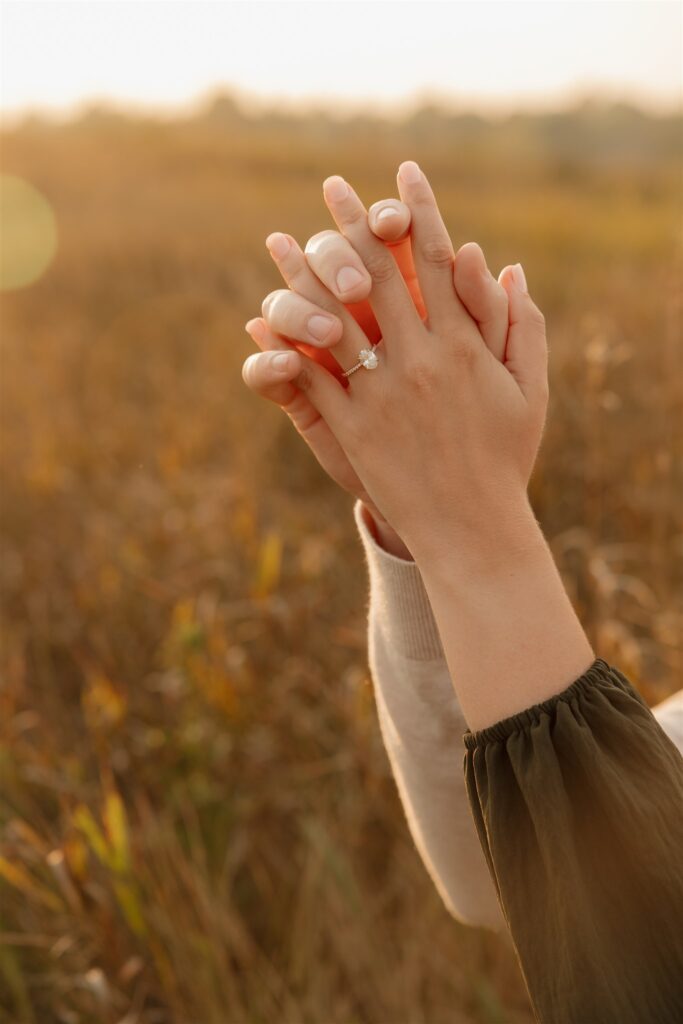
(198, 821)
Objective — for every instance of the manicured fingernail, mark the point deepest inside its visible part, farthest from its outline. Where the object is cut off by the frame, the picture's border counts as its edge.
(281, 361)
(387, 211)
(409, 172)
(348, 278)
(519, 277)
(335, 188)
(320, 326)
(255, 328)
(278, 245)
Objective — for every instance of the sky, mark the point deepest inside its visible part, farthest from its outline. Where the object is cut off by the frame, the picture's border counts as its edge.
(486, 54)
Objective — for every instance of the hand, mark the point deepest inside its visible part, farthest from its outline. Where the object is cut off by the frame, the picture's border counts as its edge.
(444, 435)
(287, 314)
(330, 257)
(443, 439)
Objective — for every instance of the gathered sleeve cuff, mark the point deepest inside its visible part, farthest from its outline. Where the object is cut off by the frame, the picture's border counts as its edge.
(578, 802)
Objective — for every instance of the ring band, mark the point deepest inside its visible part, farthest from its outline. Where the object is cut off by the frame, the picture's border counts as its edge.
(367, 358)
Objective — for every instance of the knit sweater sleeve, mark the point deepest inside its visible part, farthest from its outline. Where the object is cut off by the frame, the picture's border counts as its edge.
(578, 801)
(422, 728)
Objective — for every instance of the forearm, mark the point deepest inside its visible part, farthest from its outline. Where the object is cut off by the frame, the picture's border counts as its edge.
(510, 635)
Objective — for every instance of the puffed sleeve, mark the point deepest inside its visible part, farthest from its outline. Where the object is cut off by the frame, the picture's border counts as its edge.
(578, 802)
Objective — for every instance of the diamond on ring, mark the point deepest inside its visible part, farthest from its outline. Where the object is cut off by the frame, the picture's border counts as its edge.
(368, 358)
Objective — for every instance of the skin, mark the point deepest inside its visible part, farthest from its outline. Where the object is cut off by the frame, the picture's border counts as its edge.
(285, 315)
(448, 463)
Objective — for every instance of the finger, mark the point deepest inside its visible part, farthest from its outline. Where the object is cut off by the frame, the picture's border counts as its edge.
(269, 373)
(320, 388)
(526, 351)
(336, 263)
(483, 297)
(389, 297)
(293, 265)
(389, 219)
(271, 378)
(432, 247)
(273, 382)
(403, 254)
(292, 315)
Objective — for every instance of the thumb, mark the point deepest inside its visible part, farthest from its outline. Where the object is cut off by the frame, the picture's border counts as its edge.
(526, 349)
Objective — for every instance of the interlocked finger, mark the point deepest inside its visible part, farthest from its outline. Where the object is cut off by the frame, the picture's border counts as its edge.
(432, 248)
(310, 393)
(292, 264)
(390, 299)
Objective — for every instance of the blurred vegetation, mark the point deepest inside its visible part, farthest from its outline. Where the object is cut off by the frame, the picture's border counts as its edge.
(199, 825)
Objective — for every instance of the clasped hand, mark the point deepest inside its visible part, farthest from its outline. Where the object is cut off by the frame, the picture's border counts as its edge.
(441, 438)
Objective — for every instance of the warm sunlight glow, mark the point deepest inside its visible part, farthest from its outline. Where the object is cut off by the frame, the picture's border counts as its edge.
(493, 54)
(29, 235)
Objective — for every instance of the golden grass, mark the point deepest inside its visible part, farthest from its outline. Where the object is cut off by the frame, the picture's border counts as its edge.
(199, 825)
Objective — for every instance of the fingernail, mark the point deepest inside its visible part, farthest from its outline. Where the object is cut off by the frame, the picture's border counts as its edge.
(255, 328)
(278, 245)
(409, 172)
(387, 211)
(335, 188)
(280, 361)
(519, 277)
(348, 278)
(320, 326)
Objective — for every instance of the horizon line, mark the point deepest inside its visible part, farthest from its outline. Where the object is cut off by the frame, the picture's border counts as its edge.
(251, 104)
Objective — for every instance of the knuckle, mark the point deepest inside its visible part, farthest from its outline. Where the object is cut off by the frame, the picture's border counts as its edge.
(328, 304)
(533, 315)
(421, 376)
(500, 299)
(354, 216)
(304, 379)
(297, 273)
(497, 307)
(465, 352)
(380, 267)
(422, 196)
(438, 252)
(537, 318)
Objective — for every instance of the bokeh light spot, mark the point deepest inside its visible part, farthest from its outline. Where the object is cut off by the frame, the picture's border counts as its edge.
(28, 239)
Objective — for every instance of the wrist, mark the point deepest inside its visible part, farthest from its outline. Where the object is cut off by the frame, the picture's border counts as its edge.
(496, 539)
(511, 636)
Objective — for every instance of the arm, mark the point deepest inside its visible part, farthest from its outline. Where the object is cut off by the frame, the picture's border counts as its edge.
(576, 791)
(510, 634)
(422, 727)
(443, 439)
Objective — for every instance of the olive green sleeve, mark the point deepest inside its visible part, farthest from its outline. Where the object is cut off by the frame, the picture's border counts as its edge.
(578, 802)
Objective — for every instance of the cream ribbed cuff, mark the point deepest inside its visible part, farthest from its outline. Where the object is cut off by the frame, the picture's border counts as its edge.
(400, 607)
